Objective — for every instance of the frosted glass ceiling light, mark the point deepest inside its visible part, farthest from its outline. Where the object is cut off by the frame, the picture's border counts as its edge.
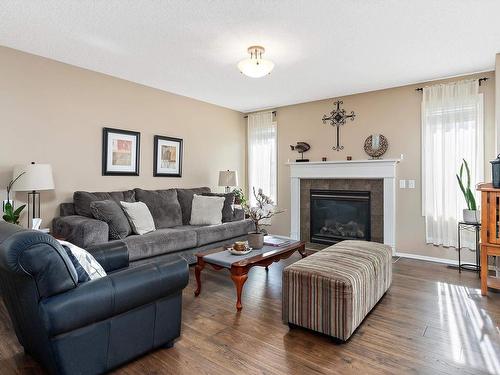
(255, 66)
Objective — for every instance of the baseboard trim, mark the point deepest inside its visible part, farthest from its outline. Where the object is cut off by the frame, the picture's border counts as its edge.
(427, 259)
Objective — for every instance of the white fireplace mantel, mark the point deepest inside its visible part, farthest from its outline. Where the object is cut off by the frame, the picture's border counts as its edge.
(356, 169)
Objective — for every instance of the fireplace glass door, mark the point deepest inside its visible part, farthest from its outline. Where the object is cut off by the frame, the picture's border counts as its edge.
(338, 215)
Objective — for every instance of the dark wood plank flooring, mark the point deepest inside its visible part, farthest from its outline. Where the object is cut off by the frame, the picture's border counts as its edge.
(433, 320)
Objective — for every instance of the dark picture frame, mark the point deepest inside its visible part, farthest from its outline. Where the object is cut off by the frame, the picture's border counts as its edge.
(123, 157)
(173, 147)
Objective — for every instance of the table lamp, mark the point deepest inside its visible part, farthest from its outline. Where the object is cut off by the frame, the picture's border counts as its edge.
(36, 177)
(227, 179)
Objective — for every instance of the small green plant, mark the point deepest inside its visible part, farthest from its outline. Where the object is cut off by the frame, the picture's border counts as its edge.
(12, 215)
(239, 196)
(468, 195)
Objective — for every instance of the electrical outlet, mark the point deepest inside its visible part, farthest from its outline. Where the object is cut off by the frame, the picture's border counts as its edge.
(411, 184)
(402, 184)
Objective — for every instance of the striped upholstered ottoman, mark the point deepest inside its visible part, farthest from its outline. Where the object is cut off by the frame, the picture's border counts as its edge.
(334, 289)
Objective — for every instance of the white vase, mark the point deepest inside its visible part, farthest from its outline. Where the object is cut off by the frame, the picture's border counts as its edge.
(472, 216)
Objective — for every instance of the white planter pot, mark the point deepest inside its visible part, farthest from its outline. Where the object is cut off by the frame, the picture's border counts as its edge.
(472, 216)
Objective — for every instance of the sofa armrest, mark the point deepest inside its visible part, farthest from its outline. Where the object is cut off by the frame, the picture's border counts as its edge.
(111, 255)
(80, 230)
(238, 214)
(114, 294)
(67, 209)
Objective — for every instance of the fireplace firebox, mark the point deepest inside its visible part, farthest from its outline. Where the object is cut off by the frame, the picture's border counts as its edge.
(338, 215)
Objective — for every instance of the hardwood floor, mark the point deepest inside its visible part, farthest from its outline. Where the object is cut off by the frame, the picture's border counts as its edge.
(432, 320)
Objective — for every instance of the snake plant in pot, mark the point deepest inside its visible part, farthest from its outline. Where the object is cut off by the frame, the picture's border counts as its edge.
(471, 214)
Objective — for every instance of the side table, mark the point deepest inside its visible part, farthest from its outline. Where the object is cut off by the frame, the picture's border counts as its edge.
(475, 227)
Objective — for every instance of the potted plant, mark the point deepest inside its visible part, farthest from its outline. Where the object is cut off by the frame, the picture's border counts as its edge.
(10, 214)
(239, 197)
(471, 214)
(260, 214)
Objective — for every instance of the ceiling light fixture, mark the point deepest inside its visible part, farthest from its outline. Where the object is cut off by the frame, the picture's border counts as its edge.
(255, 66)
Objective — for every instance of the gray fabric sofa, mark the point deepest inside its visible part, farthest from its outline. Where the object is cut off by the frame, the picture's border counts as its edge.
(171, 211)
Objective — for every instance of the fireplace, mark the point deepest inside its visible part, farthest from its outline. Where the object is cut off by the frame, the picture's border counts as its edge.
(338, 215)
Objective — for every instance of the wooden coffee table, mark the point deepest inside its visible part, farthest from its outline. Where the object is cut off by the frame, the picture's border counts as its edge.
(239, 269)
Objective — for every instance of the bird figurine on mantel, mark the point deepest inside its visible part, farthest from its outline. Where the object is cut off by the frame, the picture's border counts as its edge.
(301, 147)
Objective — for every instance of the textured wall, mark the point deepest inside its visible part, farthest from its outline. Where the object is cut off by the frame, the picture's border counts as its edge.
(392, 112)
(54, 113)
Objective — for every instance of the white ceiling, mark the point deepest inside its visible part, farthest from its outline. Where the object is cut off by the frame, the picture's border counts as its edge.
(322, 49)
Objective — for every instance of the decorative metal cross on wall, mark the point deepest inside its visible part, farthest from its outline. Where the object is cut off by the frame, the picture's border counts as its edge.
(337, 118)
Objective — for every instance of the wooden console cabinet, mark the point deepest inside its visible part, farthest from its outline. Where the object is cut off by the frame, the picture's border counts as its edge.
(490, 233)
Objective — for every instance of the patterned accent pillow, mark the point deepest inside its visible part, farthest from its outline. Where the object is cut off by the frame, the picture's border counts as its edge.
(111, 213)
(86, 266)
(83, 276)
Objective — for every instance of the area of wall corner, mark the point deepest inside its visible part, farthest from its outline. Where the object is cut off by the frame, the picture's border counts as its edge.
(497, 102)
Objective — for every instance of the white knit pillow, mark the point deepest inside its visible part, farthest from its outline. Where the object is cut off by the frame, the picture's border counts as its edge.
(139, 216)
(206, 210)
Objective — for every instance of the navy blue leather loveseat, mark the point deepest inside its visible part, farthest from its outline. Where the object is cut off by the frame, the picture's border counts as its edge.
(91, 327)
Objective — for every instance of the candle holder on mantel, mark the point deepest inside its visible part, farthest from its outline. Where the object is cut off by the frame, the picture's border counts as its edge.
(376, 145)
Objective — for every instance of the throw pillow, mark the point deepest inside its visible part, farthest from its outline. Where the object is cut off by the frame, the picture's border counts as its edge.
(163, 205)
(227, 209)
(185, 198)
(85, 264)
(206, 210)
(139, 216)
(111, 213)
(82, 199)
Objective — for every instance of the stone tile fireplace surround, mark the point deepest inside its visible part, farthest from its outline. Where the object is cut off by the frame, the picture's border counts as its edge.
(365, 175)
(374, 186)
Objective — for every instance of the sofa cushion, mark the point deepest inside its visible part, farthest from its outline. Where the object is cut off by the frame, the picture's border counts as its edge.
(227, 209)
(185, 197)
(82, 199)
(214, 233)
(161, 241)
(110, 212)
(163, 205)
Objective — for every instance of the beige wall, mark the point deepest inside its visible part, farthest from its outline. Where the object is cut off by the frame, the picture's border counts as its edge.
(497, 101)
(394, 113)
(54, 113)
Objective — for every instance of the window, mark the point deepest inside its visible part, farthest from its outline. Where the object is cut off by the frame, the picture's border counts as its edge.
(262, 154)
(452, 130)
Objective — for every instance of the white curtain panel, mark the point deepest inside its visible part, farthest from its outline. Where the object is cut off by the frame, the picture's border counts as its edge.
(452, 130)
(262, 154)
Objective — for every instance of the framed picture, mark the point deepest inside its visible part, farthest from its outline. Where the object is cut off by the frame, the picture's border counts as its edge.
(167, 157)
(120, 152)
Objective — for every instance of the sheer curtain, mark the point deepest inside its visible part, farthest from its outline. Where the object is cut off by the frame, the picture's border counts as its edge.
(262, 154)
(452, 130)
